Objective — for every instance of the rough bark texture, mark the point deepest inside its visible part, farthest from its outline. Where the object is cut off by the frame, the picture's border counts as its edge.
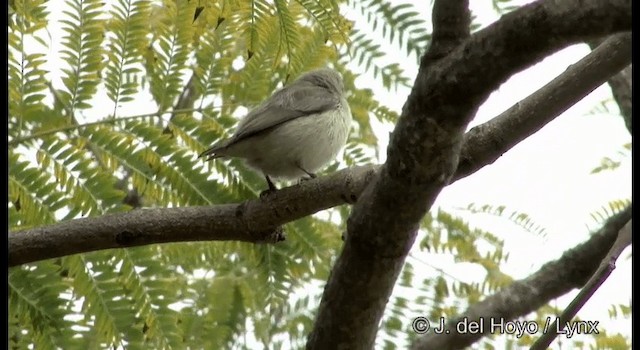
(423, 154)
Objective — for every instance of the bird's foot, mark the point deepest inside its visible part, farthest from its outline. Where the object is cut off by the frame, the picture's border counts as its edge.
(272, 188)
(305, 179)
(267, 192)
(310, 176)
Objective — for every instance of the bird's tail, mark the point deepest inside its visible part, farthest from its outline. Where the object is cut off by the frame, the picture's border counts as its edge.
(215, 151)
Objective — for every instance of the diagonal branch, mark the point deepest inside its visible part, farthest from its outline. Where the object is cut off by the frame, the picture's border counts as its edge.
(621, 87)
(485, 143)
(522, 297)
(423, 155)
(607, 265)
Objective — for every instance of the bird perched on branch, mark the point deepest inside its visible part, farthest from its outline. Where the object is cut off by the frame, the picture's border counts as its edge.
(295, 132)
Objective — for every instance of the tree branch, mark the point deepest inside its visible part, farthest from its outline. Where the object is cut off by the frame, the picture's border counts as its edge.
(18, 141)
(485, 143)
(607, 265)
(185, 101)
(423, 155)
(620, 88)
(552, 280)
(451, 22)
(475, 149)
(251, 221)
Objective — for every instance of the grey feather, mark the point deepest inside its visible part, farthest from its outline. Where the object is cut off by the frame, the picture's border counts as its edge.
(295, 131)
(311, 94)
(286, 105)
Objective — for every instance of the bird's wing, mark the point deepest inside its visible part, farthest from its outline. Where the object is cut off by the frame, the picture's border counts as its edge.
(285, 105)
(294, 101)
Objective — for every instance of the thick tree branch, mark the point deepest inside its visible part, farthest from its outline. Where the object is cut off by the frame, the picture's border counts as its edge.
(423, 155)
(522, 297)
(485, 143)
(251, 221)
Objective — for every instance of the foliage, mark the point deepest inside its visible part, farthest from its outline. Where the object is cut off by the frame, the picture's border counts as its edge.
(517, 217)
(78, 148)
(608, 164)
(608, 210)
(113, 99)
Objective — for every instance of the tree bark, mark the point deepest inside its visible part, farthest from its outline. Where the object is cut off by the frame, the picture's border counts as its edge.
(424, 150)
(620, 88)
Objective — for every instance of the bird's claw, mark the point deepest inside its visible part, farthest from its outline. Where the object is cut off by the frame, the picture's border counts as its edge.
(267, 192)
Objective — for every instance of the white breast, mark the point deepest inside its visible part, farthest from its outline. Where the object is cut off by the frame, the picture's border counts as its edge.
(309, 142)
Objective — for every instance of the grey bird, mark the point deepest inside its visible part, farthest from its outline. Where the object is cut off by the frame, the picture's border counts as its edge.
(295, 132)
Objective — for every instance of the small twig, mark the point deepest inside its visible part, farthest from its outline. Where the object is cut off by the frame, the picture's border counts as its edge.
(255, 220)
(607, 266)
(75, 122)
(522, 297)
(541, 107)
(186, 100)
(36, 135)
